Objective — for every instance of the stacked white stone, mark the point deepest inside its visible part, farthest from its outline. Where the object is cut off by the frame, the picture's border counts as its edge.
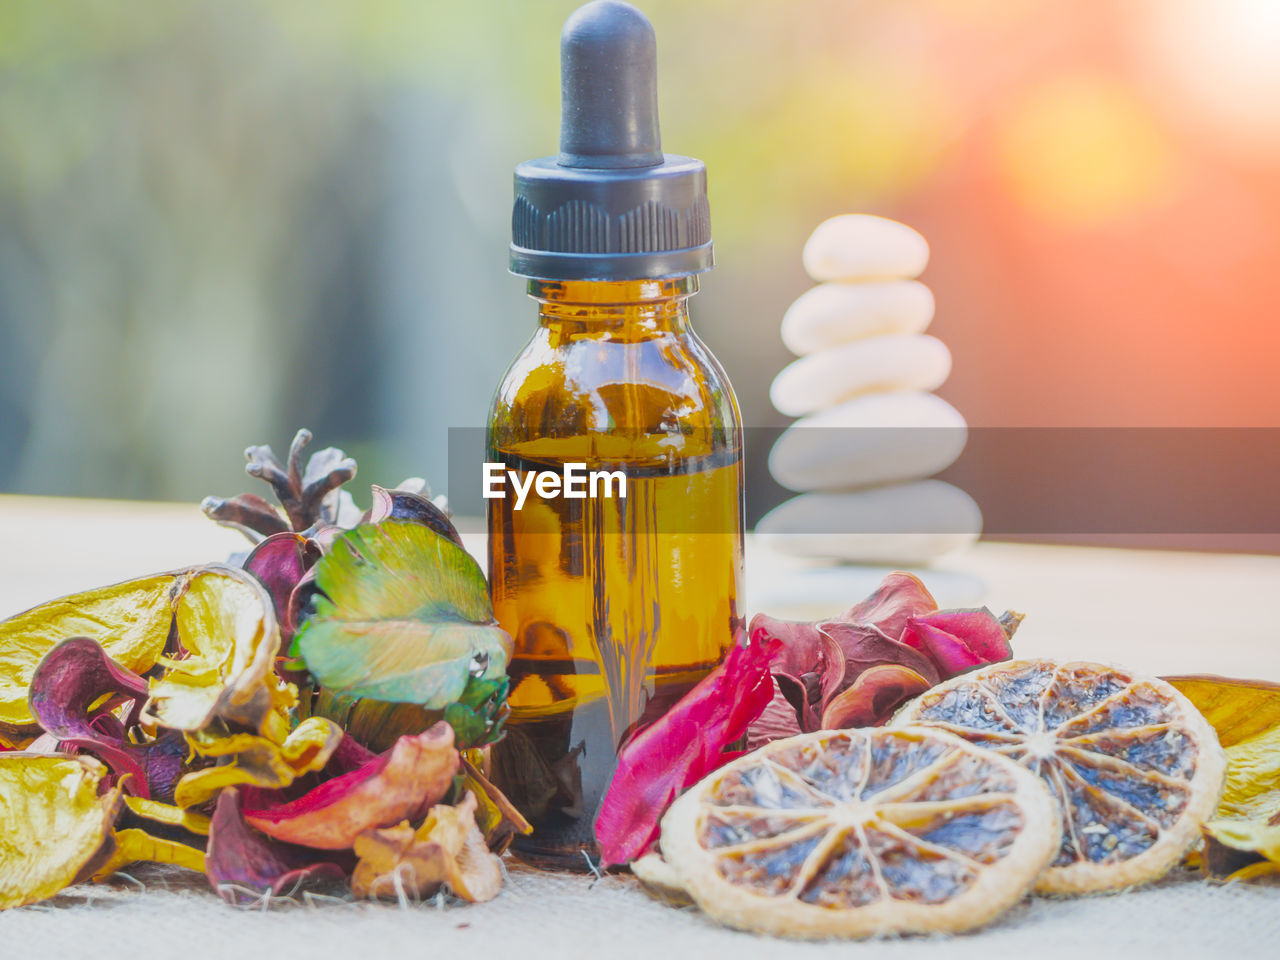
(870, 431)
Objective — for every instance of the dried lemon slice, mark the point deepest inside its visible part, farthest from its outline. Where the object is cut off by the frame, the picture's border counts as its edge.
(660, 879)
(860, 832)
(1133, 765)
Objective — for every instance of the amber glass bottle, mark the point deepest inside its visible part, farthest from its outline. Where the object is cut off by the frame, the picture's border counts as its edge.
(617, 604)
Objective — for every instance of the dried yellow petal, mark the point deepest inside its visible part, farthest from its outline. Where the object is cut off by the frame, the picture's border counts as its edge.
(448, 849)
(391, 861)
(11, 739)
(257, 761)
(1237, 709)
(133, 845)
(130, 620)
(227, 628)
(168, 814)
(1243, 840)
(1253, 778)
(56, 825)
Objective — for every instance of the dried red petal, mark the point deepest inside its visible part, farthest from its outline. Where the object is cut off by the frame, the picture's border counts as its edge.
(400, 784)
(681, 748)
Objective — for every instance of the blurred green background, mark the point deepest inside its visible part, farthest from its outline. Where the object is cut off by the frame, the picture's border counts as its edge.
(224, 219)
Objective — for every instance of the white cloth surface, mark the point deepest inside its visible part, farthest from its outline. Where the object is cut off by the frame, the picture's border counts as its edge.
(566, 917)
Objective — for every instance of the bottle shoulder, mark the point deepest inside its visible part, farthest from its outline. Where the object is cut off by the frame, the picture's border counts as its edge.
(661, 384)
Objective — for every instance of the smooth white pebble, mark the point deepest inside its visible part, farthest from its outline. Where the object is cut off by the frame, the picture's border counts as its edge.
(885, 363)
(834, 313)
(870, 440)
(859, 246)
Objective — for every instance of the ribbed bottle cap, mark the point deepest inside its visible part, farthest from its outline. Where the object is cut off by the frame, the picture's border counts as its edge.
(611, 205)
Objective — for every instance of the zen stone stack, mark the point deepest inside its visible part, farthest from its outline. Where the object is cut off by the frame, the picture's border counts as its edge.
(870, 431)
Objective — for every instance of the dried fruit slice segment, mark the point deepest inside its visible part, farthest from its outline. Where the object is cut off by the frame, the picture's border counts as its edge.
(981, 832)
(847, 879)
(734, 826)
(861, 832)
(1160, 748)
(1135, 768)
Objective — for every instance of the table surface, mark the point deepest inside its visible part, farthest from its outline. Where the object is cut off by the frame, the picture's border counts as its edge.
(1157, 612)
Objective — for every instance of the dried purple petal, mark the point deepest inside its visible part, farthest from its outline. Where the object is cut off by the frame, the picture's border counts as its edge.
(73, 693)
(404, 505)
(164, 761)
(280, 562)
(242, 862)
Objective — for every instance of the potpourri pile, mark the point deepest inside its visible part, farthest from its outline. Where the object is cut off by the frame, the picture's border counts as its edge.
(232, 718)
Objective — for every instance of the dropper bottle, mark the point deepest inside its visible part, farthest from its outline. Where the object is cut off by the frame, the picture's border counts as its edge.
(617, 605)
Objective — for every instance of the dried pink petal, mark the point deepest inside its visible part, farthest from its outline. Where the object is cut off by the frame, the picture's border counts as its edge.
(891, 646)
(959, 640)
(866, 646)
(899, 597)
(681, 748)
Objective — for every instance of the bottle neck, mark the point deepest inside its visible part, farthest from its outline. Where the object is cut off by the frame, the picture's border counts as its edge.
(614, 307)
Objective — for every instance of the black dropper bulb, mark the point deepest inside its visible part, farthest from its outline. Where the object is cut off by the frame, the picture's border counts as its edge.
(609, 88)
(611, 205)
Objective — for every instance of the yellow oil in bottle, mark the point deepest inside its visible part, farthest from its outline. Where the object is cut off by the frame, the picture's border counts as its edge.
(617, 605)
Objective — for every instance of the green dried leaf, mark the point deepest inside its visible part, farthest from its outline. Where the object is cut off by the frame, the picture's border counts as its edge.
(480, 712)
(403, 616)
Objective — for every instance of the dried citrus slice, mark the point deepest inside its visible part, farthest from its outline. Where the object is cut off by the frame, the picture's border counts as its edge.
(1133, 765)
(660, 879)
(861, 832)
